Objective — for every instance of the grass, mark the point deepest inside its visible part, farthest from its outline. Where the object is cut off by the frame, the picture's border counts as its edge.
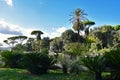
(18, 74)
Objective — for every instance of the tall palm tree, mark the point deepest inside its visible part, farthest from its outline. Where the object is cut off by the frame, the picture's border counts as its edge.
(37, 33)
(78, 17)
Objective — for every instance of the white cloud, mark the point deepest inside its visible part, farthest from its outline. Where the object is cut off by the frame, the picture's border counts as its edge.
(56, 32)
(9, 2)
(61, 29)
(7, 28)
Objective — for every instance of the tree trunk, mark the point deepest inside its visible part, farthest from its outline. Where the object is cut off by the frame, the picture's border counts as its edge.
(78, 29)
(98, 76)
(39, 36)
(78, 36)
(64, 69)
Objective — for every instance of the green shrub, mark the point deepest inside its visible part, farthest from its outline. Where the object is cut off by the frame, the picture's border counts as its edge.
(15, 60)
(96, 64)
(113, 62)
(75, 49)
(45, 50)
(37, 63)
(6, 57)
(11, 59)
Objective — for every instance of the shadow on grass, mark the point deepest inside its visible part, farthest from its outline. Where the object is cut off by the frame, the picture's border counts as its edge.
(20, 74)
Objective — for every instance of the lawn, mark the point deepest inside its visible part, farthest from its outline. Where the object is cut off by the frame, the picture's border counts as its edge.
(18, 74)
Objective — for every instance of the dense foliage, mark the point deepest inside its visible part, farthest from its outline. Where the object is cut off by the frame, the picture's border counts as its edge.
(37, 63)
(93, 50)
(11, 59)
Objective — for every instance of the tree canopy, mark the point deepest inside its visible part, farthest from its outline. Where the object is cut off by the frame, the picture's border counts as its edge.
(37, 33)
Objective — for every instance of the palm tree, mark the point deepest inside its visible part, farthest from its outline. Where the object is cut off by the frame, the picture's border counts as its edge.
(78, 17)
(37, 33)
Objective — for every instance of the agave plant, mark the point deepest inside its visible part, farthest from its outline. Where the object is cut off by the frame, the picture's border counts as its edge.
(77, 67)
(64, 61)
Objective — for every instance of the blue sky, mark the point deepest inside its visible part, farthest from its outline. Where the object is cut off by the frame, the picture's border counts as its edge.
(52, 16)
